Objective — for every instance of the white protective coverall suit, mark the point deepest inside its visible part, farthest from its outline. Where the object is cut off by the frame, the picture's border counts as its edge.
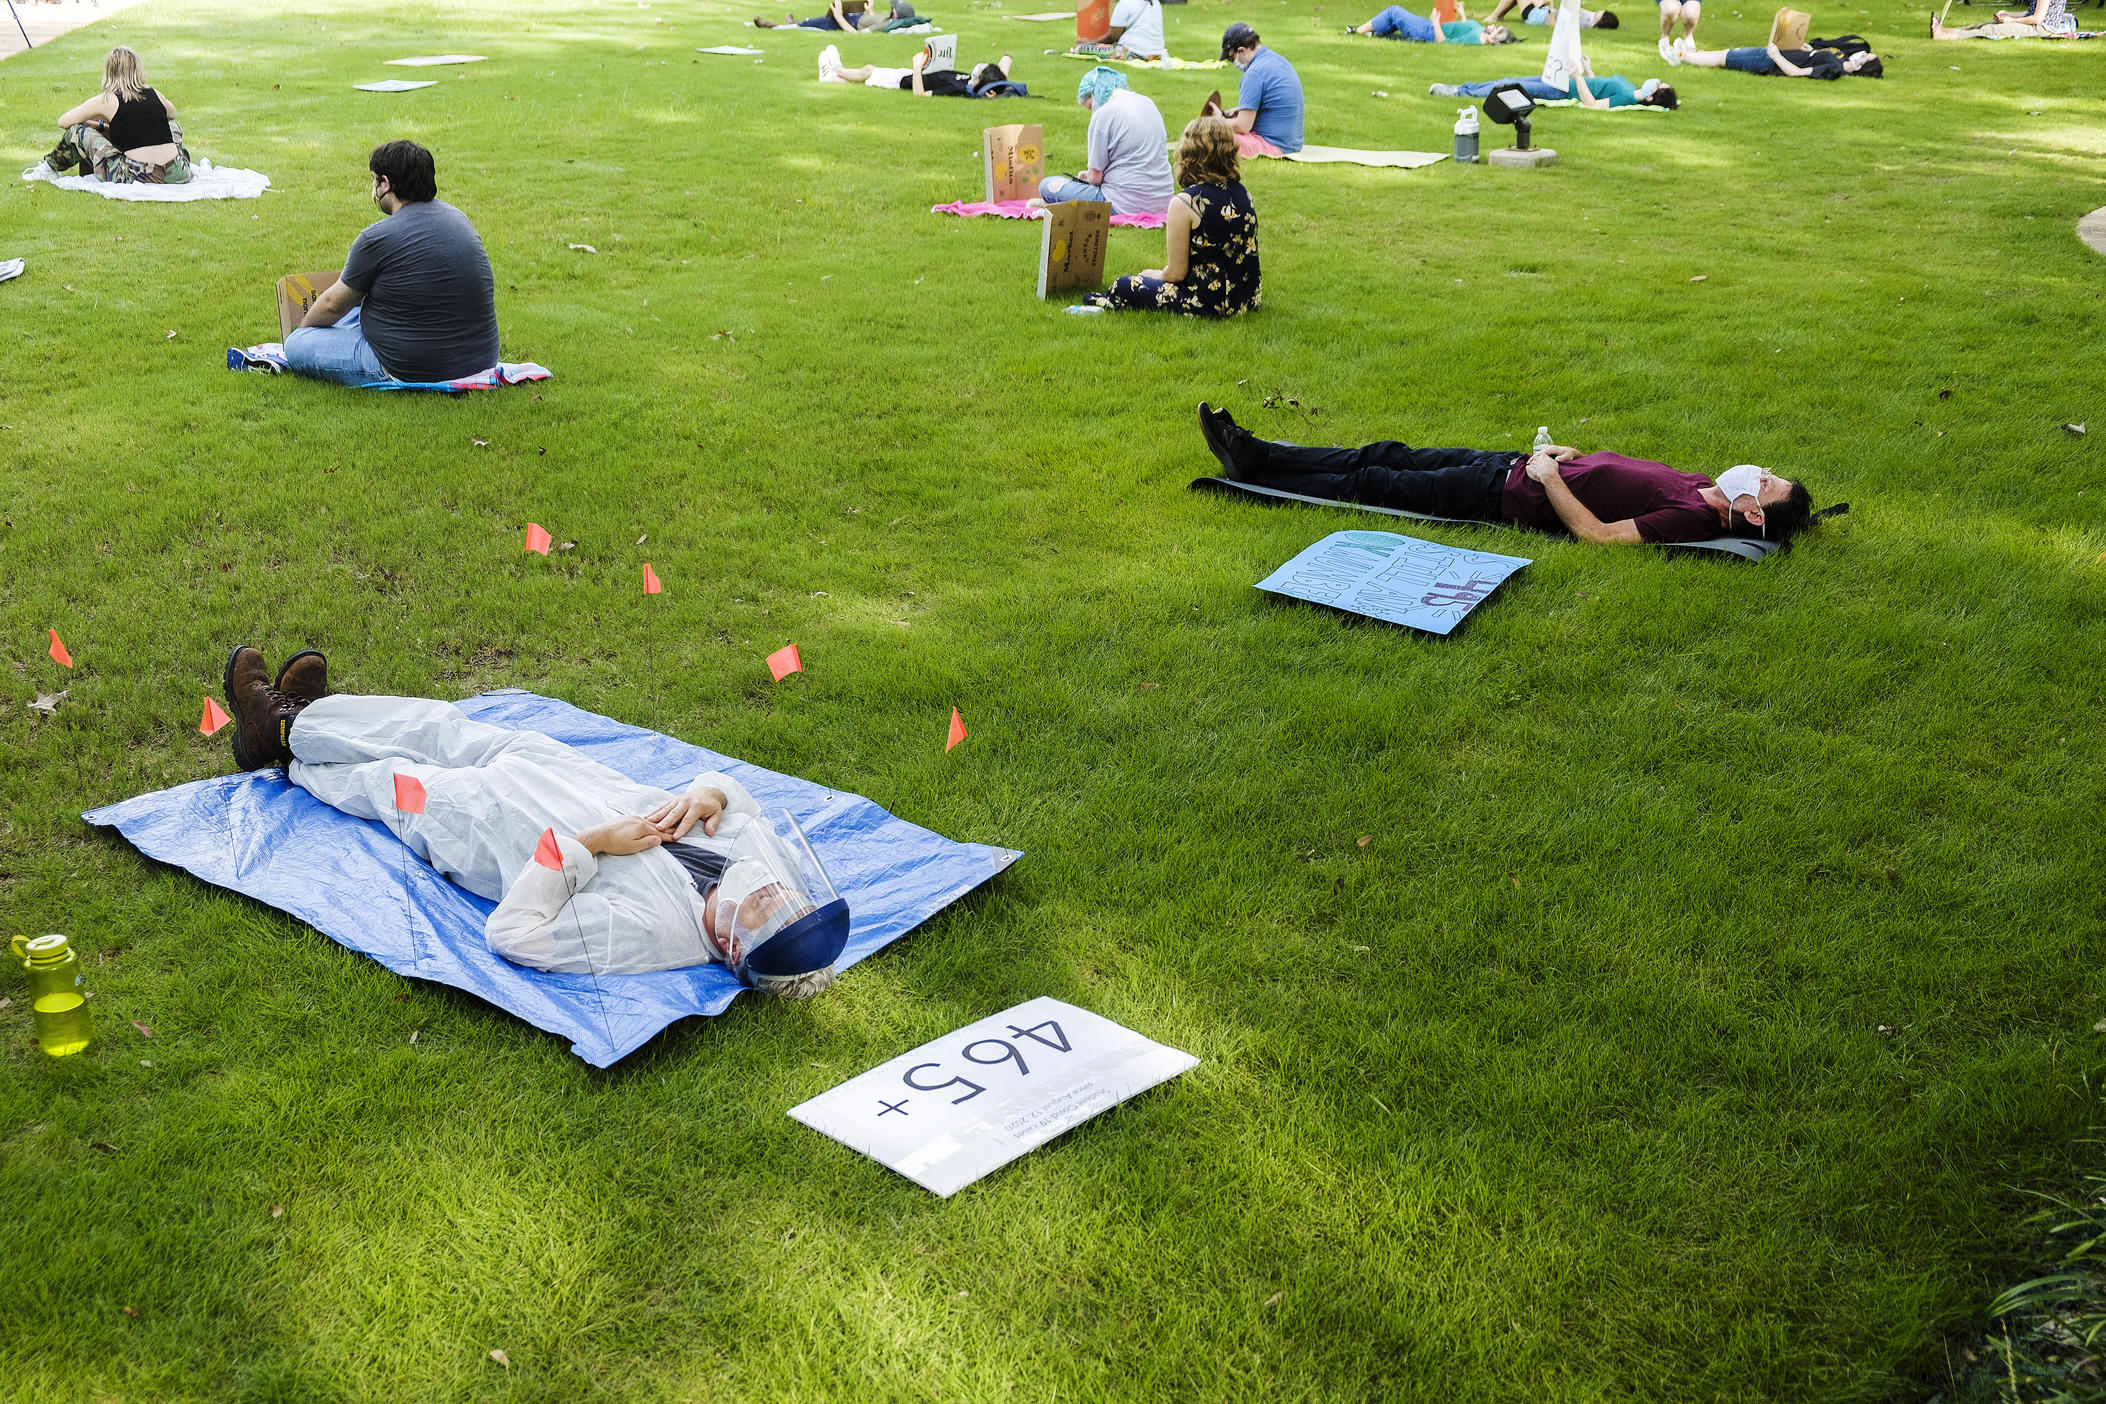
(490, 792)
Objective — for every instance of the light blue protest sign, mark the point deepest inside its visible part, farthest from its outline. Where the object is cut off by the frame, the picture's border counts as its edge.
(1401, 579)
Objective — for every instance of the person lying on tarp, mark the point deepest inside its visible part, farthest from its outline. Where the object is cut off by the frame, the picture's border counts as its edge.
(987, 80)
(126, 133)
(591, 871)
(416, 300)
(1598, 497)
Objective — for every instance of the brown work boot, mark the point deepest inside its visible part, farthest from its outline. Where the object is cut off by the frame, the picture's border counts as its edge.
(304, 677)
(262, 715)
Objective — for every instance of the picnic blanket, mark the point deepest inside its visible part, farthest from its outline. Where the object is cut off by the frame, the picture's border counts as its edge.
(1019, 209)
(356, 883)
(434, 60)
(207, 182)
(395, 85)
(727, 49)
(1575, 102)
(1332, 155)
(269, 359)
(1170, 62)
(1746, 548)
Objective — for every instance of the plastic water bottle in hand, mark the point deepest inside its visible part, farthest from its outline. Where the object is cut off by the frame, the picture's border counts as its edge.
(1542, 438)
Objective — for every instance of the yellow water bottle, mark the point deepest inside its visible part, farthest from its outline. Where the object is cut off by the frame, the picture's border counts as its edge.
(54, 991)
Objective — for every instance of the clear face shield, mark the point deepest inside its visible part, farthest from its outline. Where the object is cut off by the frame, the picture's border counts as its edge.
(775, 912)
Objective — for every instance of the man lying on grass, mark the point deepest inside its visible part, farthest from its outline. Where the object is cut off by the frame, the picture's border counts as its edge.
(591, 871)
(1599, 497)
(416, 301)
(988, 80)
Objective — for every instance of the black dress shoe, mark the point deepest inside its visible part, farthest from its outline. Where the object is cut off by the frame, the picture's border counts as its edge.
(1234, 446)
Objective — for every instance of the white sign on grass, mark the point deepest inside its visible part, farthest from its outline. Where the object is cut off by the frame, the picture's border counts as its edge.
(971, 1102)
(1422, 584)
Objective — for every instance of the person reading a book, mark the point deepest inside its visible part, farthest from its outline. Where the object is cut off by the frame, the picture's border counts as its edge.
(1135, 32)
(416, 300)
(1599, 498)
(1782, 63)
(988, 80)
(590, 870)
(1210, 239)
(1129, 162)
(1396, 22)
(1267, 118)
(126, 134)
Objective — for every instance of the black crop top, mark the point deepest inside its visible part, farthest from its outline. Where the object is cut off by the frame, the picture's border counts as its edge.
(140, 121)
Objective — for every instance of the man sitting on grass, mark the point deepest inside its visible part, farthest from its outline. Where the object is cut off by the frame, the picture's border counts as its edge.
(416, 300)
(1599, 498)
(591, 871)
(1268, 112)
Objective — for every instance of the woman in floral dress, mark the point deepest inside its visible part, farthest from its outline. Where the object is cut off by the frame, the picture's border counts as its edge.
(1210, 251)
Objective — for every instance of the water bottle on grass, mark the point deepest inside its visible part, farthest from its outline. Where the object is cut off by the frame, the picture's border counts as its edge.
(1542, 438)
(60, 1009)
(1465, 136)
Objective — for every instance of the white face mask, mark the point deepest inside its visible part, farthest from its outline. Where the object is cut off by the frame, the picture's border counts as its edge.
(1742, 480)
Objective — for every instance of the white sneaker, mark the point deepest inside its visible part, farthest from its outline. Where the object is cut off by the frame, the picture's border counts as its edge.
(830, 64)
(1667, 53)
(1685, 47)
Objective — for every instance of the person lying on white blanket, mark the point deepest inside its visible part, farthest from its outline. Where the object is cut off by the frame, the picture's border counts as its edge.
(591, 871)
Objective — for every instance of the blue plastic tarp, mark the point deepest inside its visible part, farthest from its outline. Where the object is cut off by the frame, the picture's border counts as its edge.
(357, 884)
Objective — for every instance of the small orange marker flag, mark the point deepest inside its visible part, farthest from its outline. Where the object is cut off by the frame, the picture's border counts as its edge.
(213, 719)
(537, 539)
(548, 853)
(957, 730)
(58, 651)
(409, 794)
(650, 580)
(784, 661)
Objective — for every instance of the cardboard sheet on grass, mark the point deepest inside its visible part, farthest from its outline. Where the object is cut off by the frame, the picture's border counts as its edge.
(207, 182)
(1746, 548)
(1400, 579)
(970, 1102)
(260, 835)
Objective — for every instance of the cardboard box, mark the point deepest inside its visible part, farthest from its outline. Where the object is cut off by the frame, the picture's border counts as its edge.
(1015, 159)
(943, 54)
(1092, 18)
(1071, 255)
(1788, 30)
(296, 293)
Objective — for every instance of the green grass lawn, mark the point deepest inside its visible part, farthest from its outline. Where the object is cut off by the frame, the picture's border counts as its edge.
(1719, 967)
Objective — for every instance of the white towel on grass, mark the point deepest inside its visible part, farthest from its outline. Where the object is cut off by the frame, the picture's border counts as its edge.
(1403, 160)
(11, 268)
(207, 182)
(394, 85)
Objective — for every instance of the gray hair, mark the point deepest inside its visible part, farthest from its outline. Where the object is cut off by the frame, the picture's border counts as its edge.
(795, 986)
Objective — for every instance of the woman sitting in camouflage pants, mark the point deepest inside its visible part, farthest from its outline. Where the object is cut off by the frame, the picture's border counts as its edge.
(126, 133)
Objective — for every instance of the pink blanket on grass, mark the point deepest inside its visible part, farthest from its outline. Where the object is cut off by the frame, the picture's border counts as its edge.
(1018, 209)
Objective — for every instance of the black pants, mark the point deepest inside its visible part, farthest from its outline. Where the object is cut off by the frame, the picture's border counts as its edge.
(1444, 482)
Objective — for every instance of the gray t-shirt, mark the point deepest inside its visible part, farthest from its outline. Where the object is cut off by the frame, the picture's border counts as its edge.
(1128, 143)
(430, 309)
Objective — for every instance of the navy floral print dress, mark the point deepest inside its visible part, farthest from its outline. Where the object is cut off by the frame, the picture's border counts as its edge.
(1221, 271)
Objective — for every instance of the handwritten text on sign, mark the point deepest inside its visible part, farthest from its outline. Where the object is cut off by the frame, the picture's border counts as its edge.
(952, 1110)
(1402, 579)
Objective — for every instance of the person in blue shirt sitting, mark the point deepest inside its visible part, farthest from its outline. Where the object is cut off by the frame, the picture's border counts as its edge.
(1268, 112)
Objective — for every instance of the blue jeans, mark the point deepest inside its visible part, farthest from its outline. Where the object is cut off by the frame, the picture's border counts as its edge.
(1534, 87)
(339, 353)
(1054, 189)
(1400, 23)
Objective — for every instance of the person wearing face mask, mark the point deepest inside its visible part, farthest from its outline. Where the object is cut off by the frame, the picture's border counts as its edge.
(1600, 498)
(416, 300)
(1268, 112)
(592, 872)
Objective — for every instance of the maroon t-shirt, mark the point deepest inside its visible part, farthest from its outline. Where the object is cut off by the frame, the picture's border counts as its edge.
(1667, 505)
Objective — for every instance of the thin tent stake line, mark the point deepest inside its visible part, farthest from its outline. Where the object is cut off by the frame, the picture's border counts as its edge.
(18, 24)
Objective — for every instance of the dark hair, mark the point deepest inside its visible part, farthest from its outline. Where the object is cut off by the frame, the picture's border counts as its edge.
(1607, 20)
(1871, 68)
(1781, 521)
(1664, 96)
(408, 169)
